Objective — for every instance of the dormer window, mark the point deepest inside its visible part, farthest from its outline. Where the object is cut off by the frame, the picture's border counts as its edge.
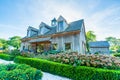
(60, 26)
(32, 32)
(43, 28)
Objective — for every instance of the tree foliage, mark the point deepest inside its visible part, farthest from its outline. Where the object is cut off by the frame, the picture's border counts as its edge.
(3, 43)
(91, 36)
(15, 41)
(114, 42)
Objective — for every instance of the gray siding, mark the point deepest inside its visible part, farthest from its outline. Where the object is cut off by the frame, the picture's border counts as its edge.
(82, 41)
(100, 50)
(73, 39)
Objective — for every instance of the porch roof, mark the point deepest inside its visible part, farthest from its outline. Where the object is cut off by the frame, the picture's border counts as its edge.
(40, 40)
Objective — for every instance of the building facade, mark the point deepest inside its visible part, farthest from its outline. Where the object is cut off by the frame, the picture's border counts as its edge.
(61, 36)
(101, 47)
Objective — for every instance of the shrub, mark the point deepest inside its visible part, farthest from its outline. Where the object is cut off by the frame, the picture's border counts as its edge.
(19, 72)
(116, 54)
(42, 56)
(73, 72)
(6, 57)
(13, 52)
(27, 54)
(99, 61)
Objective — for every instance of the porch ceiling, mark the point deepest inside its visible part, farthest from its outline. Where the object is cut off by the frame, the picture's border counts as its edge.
(40, 40)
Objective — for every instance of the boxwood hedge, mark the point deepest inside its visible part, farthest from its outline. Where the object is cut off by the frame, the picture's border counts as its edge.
(19, 72)
(6, 57)
(75, 73)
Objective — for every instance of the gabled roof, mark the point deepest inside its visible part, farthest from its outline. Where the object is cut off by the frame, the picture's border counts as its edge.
(32, 28)
(76, 25)
(73, 26)
(61, 18)
(99, 44)
(42, 24)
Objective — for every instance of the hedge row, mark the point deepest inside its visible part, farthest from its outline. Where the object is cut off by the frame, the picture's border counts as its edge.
(6, 57)
(75, 73)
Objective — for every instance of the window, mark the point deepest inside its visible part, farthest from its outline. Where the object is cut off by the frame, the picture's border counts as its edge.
(23, 47)
(40, 48)
(67, 46)
(33, 33)
(60, 26)
(44, 30)
(55, 46)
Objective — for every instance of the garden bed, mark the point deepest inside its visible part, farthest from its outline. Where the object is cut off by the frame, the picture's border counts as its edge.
(73, 72)
(46, 76)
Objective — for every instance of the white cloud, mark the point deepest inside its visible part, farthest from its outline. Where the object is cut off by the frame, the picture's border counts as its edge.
(103, 22)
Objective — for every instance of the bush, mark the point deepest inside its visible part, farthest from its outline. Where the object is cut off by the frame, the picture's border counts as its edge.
(116, 54)
(97, 61)
(27, 54)
(13, 52)
(73, 72)
(19, 72)
(42, 56)
(6, 57)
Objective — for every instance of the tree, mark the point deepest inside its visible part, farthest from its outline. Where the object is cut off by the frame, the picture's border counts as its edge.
(3, 43)
(91, 36)
(15, 41)
(114, 42)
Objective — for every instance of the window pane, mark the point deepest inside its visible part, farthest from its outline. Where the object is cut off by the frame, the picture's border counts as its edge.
(67, 46)
(60, 24)
(54, 46)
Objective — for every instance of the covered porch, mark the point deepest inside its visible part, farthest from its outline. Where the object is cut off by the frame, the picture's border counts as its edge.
(40, 45)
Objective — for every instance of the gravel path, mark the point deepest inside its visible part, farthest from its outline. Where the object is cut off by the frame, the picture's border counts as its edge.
(46, 76)
(5, 62)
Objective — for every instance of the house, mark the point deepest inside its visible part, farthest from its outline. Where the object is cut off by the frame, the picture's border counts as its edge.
(101, 47)
(60, 35)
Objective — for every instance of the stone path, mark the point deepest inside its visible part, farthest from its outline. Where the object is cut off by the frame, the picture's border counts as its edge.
(46, 76)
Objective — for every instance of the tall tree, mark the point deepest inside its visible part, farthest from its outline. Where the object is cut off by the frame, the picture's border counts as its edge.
(91, 36)
(15, 41)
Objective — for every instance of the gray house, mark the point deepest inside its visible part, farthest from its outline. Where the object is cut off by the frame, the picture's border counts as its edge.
(99, 46)
(60, 35)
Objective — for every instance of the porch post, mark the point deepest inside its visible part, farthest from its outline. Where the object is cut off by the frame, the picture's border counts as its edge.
(36, 48)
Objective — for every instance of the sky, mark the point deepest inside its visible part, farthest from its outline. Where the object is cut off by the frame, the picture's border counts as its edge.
(100, 16)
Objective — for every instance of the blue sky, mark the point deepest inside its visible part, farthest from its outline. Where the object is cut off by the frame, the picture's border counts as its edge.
(100, 16)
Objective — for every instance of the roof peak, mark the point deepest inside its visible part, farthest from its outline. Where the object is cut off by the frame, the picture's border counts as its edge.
(61, 18)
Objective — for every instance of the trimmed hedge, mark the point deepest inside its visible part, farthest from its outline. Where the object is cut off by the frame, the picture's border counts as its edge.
(6, 57)
(75, 73)
(19, 72)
